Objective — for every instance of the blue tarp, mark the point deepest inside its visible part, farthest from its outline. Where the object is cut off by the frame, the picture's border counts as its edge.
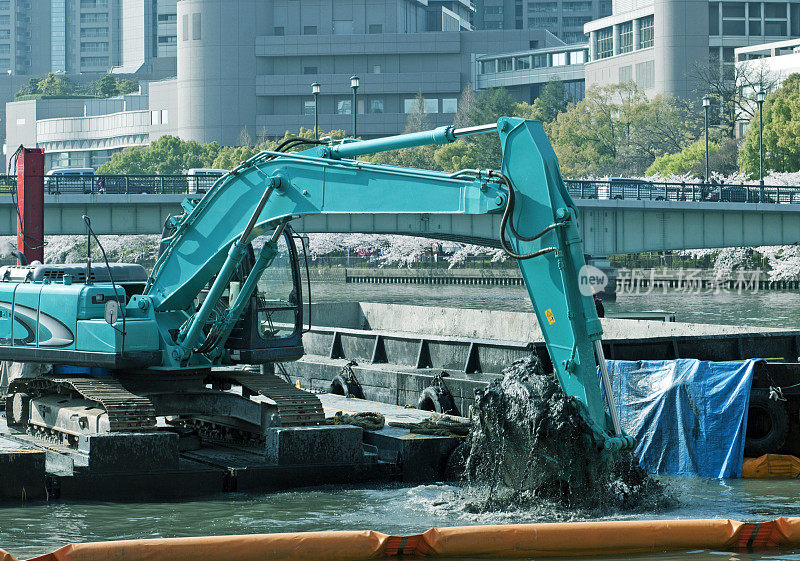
(688, 416)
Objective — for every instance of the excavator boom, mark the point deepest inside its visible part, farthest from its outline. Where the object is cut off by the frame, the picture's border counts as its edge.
(164, 327)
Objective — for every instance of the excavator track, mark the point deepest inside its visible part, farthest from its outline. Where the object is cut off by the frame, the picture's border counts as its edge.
(127, 412)
(296, 407)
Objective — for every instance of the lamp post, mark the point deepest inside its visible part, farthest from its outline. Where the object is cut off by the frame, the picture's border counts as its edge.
(760, 97)
(315, 91)
(354, 85)
(706, 105)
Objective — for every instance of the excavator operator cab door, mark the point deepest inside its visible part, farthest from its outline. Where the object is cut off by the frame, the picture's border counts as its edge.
(272, 326)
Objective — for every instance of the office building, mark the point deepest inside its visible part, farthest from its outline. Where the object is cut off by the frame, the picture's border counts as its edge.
(664, 45)
(563, 18)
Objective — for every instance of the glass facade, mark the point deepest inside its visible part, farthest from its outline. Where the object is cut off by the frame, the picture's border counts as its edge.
(646, 32)
(604, 43)
(58, 36)
(626, 37)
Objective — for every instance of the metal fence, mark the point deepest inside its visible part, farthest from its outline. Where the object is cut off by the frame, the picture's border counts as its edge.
(631, 189)
(614, 189)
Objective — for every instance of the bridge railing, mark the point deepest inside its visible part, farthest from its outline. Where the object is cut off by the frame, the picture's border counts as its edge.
(631, 189)
(128, 184)
(614, 189)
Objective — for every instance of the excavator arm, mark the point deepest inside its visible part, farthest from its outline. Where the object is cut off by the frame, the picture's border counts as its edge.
(537, 226)
(177, 323)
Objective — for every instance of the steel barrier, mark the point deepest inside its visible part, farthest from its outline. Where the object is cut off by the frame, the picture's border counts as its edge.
(613, 189)
(634, 189)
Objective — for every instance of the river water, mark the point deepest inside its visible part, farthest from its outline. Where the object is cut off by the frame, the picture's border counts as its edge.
(34, 529)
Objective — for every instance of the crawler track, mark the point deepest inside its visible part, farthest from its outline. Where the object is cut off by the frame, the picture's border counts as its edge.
(127, 412)
(296, 407)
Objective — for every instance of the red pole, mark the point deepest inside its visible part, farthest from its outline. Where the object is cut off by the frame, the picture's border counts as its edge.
(30, 198)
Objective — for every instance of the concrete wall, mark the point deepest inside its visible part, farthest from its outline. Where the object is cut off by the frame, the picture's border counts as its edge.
(490, 324)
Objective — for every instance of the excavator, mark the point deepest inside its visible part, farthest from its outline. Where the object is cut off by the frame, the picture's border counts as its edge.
(106, 348)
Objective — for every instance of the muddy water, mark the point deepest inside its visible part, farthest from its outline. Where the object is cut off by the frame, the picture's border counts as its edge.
(35, 529)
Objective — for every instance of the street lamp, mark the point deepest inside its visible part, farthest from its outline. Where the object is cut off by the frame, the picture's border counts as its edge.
(706, 105)
(354, 85)
(315, 91)
(760, 97)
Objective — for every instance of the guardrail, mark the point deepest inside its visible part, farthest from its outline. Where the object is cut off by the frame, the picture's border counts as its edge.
(614, 189)
(632, 189)
(129, 184)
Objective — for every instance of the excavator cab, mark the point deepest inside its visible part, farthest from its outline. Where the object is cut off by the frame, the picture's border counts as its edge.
(271, 328)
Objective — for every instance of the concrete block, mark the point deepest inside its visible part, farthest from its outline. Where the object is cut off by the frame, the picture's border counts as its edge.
(128, 452)
(22, 472)
(327, 444)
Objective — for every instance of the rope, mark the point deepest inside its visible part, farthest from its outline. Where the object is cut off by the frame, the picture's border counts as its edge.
(438, 425)
(368, 420)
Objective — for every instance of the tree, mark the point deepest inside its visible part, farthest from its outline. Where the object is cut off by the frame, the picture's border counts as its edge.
(167, 155)
(781, 132)
(732, 90)
(53, 85)
(244, 138)
(552, 100)
(690, 160)
(617, 130)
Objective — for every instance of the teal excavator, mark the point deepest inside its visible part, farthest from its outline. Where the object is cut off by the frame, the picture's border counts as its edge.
(117, 348)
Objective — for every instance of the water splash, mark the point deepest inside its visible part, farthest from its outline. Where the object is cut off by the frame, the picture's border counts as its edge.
(530, 447)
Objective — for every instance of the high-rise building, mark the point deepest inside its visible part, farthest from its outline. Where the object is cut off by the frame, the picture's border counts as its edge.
(563, 18)
(149, 35)
(668, 46)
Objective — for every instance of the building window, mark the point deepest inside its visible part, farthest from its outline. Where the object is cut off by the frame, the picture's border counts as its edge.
(308, 107)
(5, 5)
(604, 43)
(155, 117)
(549, 23)
(376, 68)
(733, 22)
(775, 28)
(99, 17)
(646, 75)
(95, 47)
(164, 117)
(577, 57)
(309, 70)
(493, 25)
(94, 32)
(575, 21)
(504, 65)
(488, 66)
(167, 18)
(185, 27)
(539, 61)
(626, 37)
(278, 31)
(309, 30)
(375, 28)
(196, 29)
(646, 32)
(713, 18)
(431, 105)
(494, 10)
(94, 61)
(449, 105)
(522, 63)
(625, 74)
(409, 105)
(344, 106)
(342, 27)
(541, 7)
(577, 6)
(167, 40)
(559, 59)
(376, 106)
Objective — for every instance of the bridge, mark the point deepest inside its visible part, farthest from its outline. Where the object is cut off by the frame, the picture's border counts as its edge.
(617, 216)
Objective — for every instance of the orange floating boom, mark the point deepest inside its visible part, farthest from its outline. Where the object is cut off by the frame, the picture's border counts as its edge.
(519, 540)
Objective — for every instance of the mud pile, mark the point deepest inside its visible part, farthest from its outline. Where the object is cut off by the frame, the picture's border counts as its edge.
(529, 445)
